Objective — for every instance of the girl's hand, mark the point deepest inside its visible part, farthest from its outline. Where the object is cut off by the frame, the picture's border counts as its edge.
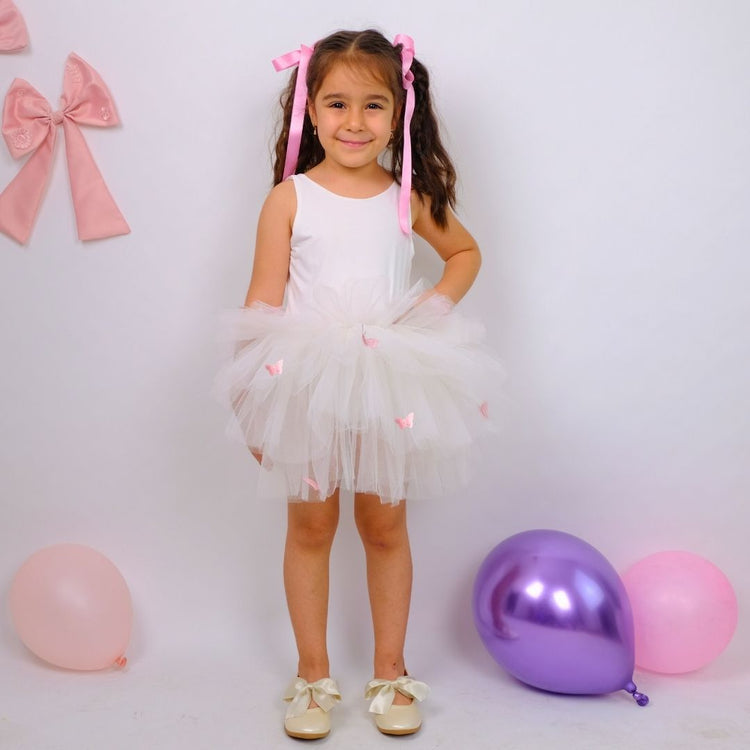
(425, 296)
(445, 302)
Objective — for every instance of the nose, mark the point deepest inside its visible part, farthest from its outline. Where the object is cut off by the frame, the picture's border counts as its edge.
(354, 121)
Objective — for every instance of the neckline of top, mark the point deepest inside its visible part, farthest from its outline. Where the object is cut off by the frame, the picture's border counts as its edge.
(347, 197)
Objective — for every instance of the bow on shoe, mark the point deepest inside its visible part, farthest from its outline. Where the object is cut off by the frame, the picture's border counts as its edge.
(13, 34)
(325, 692)
(30, 126)
(383, 692)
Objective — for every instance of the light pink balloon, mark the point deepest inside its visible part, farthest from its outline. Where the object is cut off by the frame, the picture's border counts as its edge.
(684, 611)
(71, 607)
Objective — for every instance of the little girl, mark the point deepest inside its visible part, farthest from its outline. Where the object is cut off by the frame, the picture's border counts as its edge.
(345, 377)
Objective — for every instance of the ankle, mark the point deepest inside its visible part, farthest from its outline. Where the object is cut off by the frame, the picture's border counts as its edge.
(313, 670)
(389, 669)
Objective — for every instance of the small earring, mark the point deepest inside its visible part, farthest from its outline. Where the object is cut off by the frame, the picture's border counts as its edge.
(315, 129)
(391, 140)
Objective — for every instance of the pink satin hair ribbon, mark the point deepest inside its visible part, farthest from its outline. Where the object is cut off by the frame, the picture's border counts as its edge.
(30, 127)
(13, 34)
(301, 58)
(407, 81)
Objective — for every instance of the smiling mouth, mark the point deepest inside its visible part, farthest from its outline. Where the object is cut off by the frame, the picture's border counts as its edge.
(354, 144)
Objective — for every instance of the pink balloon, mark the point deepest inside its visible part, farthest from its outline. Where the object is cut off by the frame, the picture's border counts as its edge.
(71, 607)
(684, 611)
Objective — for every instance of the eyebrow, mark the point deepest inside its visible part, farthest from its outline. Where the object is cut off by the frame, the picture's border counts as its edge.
(375, 97)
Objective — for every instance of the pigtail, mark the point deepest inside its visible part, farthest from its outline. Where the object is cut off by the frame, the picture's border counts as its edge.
(433, 172)
(310, 152)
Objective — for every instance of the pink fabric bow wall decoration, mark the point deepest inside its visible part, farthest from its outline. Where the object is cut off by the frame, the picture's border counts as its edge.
(13, 34)
(30, 127)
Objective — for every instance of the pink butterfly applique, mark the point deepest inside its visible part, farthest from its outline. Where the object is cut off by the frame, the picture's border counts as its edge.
(311, 482)
(484, 409)
(276, 368)
(372, 343)
(407, 421)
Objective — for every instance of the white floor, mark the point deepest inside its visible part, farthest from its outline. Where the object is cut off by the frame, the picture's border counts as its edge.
(208, 701)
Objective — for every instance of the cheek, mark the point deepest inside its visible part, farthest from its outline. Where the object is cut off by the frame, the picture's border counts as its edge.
(386, 122)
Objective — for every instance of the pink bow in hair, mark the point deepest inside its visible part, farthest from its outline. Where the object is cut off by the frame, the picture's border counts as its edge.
(407, 81)
(299, 58)
(13, 34)
(30, 127)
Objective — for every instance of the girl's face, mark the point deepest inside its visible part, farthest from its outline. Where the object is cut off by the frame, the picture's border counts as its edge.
(355, 116)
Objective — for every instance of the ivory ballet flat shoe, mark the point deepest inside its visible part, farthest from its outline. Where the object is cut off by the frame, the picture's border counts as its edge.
(391, 719)
(303, 722)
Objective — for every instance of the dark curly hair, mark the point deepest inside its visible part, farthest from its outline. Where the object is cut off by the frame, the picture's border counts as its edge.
(433, 172)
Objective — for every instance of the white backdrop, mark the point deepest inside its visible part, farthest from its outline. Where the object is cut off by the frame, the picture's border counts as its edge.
(605, 170)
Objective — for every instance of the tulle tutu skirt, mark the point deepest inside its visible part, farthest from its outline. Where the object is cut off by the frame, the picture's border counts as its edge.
(359, 391)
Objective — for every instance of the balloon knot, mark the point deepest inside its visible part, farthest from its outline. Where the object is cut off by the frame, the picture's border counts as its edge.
(121, 661)
(640, 698)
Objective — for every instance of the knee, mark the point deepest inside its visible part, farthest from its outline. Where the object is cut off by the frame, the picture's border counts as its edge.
(382, 530)
(312, 530)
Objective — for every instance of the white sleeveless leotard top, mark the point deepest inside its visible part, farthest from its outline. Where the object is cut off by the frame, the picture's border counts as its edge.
(336, 240)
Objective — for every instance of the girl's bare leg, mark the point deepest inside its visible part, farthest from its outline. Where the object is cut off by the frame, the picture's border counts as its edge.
(310, 532)
(382, 528)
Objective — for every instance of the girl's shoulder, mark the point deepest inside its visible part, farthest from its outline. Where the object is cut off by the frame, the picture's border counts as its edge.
(282, 197)
(280, 205)
(284, 191)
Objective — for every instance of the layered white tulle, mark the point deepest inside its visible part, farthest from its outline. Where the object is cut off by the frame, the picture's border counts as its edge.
(360, 392)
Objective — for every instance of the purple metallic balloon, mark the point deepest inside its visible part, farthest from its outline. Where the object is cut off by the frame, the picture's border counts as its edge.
(551, 609)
